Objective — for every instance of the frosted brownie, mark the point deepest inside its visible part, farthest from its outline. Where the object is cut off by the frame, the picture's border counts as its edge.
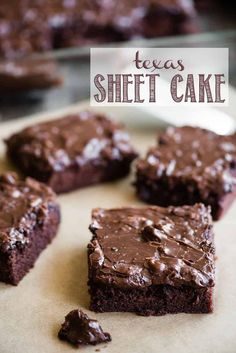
(79, 330)
(152, 260)
(72, 152)
(189, 165)
(29, 219)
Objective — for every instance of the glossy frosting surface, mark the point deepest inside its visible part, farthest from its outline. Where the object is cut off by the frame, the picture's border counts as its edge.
(139, 247)
(27, 26)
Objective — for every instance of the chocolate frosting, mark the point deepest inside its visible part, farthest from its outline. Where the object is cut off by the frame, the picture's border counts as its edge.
(192, 154)
(79, 329)
(140, 247)
(73, 140)
(22, 205)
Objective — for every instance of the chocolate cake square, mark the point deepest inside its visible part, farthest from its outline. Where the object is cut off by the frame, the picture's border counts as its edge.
(73, 151)
(152, 260)
(29, 219)
(189, 165)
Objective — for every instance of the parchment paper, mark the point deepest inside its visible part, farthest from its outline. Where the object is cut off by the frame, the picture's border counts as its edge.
(31, 313)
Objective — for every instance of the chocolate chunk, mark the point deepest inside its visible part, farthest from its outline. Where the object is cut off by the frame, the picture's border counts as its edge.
(24, 75)
(153, 233)
(78, 329)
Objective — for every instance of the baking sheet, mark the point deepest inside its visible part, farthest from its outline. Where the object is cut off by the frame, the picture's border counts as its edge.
(31, 313)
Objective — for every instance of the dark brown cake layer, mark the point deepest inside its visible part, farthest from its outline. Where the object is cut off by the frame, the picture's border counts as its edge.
(140, 257)
(29, 219)
(29, 26)
(72, 152)
(153, 300)
(189, 165)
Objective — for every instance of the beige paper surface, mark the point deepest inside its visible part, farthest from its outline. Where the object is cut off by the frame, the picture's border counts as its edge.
(31, 313)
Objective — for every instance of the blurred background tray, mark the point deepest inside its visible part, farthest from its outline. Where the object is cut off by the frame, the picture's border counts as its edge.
(218, 29)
